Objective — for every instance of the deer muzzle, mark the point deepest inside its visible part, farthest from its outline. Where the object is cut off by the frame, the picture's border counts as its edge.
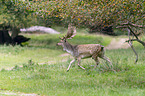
(59, 44)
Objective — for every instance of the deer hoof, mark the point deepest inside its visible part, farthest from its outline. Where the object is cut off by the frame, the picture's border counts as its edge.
(67, 70)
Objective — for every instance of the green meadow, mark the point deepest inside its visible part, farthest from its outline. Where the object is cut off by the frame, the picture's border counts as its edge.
(40, 67)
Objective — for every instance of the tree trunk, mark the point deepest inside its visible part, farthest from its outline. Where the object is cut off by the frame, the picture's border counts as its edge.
(15, 32)
(1, 37)
(5, 37)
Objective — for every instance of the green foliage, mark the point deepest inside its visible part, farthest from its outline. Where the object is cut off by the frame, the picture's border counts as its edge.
(92, 13)
(25, 13)
(15, 13)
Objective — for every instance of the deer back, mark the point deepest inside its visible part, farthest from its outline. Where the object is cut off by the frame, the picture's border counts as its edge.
(88, 50)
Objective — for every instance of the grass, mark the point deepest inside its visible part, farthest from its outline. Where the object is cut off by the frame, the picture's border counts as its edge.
(51, 78)
(11, 56)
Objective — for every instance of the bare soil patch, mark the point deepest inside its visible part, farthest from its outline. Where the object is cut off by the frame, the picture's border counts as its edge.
(10, 93)
(118, 44)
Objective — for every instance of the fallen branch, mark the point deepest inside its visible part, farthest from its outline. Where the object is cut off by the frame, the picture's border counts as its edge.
(40, 29)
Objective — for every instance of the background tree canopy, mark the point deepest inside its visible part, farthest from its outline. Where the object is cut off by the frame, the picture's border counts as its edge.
(87, 13)
(14, 13)
(93, 14)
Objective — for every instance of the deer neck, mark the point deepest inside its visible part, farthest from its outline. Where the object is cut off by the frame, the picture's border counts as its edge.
(68, 47)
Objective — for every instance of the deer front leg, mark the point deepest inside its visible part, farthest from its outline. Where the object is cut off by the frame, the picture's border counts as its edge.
(70, 64)
(97, 62)
(79, 59)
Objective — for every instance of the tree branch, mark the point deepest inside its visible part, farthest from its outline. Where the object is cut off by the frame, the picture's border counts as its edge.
(132, 32)
(143, 43)
(121, 26)
(128, 26)
(134, 25)
(130, 43)
(131, 24)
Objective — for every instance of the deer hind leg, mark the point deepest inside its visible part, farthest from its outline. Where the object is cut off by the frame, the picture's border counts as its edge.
(70, 64)
(79, 60)
(107, 59)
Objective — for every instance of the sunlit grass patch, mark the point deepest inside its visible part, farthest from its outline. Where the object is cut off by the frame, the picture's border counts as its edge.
(11, 56)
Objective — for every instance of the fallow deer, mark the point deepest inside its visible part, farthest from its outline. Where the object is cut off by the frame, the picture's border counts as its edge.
(82, 51)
